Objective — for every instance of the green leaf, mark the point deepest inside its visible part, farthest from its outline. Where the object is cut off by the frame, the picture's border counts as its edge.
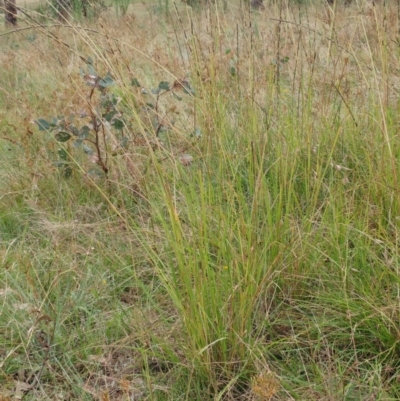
(109, 116)
(135, 83)
(196, 133)
(227, 51)
(73, 129)
(114, 100)
(91, 70)
(118, 123)
(106, 81)
(87, 149)
(62, 136)
(77, 143)
(67, 172)
(62, 153)
(188, 90)
(232, 67)
(164, 85)
(84, 132)
(43, 124)
(155, 91)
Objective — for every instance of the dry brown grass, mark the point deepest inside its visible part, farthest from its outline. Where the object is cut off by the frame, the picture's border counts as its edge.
(344, 51)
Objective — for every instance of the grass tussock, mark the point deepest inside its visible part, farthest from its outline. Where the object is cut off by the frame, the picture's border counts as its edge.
(201, 204)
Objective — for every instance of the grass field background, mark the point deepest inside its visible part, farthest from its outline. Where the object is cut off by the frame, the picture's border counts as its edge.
(226, 227)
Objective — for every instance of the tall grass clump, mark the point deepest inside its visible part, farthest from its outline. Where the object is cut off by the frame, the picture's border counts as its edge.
(208, 211)
(275, 209)
(224, 246)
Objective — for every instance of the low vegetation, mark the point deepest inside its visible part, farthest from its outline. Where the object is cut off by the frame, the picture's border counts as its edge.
(201, 204)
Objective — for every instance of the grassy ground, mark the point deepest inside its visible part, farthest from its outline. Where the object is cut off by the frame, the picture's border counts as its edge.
(226, 227)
